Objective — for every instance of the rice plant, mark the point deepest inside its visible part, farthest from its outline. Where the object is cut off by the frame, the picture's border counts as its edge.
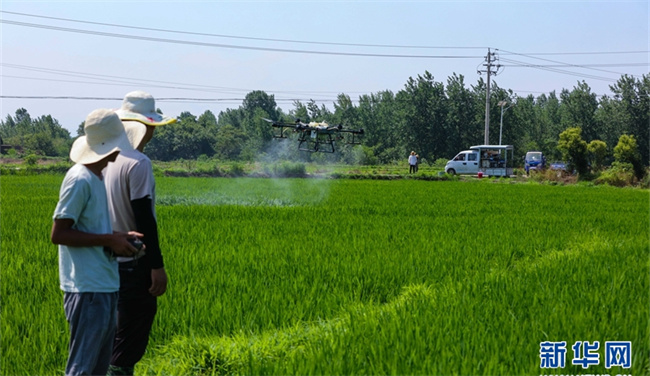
(307, 276)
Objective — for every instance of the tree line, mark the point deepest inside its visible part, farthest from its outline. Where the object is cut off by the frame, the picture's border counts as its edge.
(435, 119)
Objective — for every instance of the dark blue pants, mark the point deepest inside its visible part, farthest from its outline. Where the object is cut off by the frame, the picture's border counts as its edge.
(91, 318)
(136, 310)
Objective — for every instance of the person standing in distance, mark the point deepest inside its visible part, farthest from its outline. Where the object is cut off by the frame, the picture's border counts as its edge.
(87, 245)
(413, 160)
(131, 193)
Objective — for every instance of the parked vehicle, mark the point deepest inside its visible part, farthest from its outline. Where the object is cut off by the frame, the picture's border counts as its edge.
(490, 160)
(534, 160)
(558, 165)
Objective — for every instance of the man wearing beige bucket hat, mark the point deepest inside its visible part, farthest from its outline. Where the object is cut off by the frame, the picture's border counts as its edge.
(82, 229)
(130, 187)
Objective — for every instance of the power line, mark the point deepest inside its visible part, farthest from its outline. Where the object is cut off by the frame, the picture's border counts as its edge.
(570, 73)
(561, 62)
(317, 42)
(577, 53)
(218, 45)
(119, 84)
(526, 65)
(565, 65)
(240, 37)
(163, 99)
(547, 67)
(119, 80)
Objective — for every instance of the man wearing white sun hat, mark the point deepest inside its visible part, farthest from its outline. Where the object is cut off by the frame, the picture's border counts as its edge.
(88, 272)
(131, 193)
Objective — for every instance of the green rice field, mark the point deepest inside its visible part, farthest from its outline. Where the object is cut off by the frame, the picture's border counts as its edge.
(363, 277)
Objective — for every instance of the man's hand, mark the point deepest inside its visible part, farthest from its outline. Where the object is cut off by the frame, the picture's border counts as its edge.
(120, 243)
(158, 282)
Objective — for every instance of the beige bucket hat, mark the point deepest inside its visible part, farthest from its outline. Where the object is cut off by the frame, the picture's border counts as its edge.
(138, 110)
(104, 135)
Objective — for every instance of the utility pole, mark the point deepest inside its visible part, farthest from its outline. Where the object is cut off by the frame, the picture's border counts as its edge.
(490, 58)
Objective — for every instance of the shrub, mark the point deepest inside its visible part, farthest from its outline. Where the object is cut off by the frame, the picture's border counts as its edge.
(31, 160)
(367, 156)
(60, 167)
(188, 164)
(440, 163)
(574, 149)
(208, 169)
(520, 172)
(598, 152)
(158, 171)
(552, 176)
(626, 151)
(645, 182)
(237, 169)
(287, 169)
(619, 175)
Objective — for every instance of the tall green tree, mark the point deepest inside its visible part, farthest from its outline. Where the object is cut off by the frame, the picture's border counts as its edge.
(626, 151)
(345, 112)
(579, 109)
(463, 129)
(256, 106)
(609, 121)
(574, 149)
(631, 111)
(208, 120)
(425, 112)
(230, 116)
(318, 113)
(522, 128)
(259, 100)
(479, 91)
(549, 118)
(299, 111)
(597, 152)
(229, 142)
(383, 126)
(8, 128)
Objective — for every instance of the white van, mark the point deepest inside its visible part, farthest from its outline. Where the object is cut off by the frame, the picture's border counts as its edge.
(491, 160)
(465, 162)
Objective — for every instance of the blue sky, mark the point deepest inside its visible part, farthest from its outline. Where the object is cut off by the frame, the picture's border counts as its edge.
(452, 35)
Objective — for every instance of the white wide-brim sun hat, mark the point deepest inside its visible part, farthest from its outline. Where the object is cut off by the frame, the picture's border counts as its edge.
(104, 135)
(140, 106)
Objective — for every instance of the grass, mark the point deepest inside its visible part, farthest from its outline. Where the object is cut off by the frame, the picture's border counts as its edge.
(318, 276)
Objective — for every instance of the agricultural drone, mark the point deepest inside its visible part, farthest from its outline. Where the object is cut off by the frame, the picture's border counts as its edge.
(317, 136)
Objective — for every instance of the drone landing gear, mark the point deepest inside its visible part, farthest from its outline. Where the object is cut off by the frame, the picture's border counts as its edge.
(313, 144)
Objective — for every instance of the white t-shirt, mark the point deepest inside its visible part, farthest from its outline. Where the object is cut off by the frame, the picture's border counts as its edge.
(413, 160)
(140, 183)
(82, 198)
